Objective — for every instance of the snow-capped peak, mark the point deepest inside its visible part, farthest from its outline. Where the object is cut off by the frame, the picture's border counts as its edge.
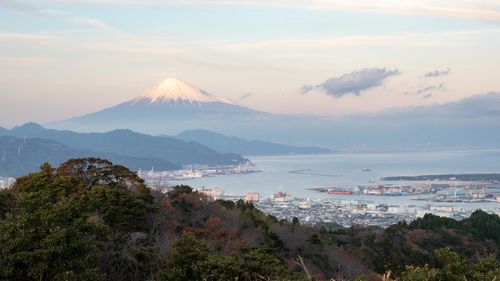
(172, 89)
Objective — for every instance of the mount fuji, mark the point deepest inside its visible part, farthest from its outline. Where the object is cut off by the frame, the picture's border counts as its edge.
(172, 103)
(173, 106)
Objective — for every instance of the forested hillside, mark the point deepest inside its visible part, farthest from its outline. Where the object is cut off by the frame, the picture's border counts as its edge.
(92, 220)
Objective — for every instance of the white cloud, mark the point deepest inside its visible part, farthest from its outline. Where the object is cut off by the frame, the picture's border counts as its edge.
(352, 83)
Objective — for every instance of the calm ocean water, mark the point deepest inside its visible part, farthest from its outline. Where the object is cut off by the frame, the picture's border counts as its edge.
(345, 170)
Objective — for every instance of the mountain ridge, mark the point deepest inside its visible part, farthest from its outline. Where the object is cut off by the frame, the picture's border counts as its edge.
(19, 156)
(129, 143)
(224, 143)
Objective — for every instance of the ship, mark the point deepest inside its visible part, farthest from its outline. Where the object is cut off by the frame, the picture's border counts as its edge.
(339, 191)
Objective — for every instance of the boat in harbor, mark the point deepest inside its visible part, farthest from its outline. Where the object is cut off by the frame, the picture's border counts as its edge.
(339, 191)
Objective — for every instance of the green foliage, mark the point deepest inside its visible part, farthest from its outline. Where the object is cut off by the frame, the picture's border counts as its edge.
(179, 189)
(189, 259)
(452, 267)
(315, 239)
(486, 269)
(75, 223)
(46, 237)
(424, 273)
(262, 261)
(418, 243)
(7, 202)
(184, 256)
(226, 204)
(484, 225)
(121, 209)
(430, 221)
(219, 268)
(92, 220)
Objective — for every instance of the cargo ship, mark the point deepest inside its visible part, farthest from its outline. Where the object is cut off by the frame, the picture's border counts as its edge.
(338, 191)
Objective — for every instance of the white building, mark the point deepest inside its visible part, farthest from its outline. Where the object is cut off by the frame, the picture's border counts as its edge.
(252, 197)
(213, 193)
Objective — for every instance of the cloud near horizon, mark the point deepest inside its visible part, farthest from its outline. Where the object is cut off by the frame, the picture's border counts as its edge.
(352, 83)
(486, 106)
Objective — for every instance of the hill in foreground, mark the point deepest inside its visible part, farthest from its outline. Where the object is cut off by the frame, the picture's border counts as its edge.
(92, 220)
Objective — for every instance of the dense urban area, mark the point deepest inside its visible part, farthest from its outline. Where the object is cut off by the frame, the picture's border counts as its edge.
(346, 210)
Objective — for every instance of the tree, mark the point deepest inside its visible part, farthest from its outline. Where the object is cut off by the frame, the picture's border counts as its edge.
(86, 220)
(182, 258)
(424, 273)
(47, 238)
(219, 268)
(262, 261)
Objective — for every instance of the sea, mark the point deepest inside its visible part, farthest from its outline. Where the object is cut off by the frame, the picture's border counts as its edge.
(296, 174)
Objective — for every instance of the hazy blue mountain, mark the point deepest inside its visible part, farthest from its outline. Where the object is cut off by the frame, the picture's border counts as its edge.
(19, 156)
(173, 107)
(243, 146)
(3, 131)
(129, 143)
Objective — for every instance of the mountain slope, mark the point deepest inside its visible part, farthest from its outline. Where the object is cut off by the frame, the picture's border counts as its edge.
(243, 146)
(129, 143)
(3, 131)
(21, 156)
(170, 100)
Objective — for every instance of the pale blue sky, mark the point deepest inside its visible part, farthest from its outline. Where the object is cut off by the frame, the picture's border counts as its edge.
(69, 57)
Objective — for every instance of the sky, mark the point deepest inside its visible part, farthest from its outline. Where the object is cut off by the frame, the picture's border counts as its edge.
(65, 58)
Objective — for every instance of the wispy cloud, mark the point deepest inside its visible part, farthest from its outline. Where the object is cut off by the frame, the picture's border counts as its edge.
(471, 9)
(352, 83)
(26, 37)
(25, 61)
(397, 39)
(427, 89)
(437, 73)
(68, 17)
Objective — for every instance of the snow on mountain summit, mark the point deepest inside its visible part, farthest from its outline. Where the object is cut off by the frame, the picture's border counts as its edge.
(173, 90)
(172, 103)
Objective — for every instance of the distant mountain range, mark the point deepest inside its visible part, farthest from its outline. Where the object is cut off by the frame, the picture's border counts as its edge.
(225, 144)
(27, 146)
(126, 143)
(173, 106)
(19, 156)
